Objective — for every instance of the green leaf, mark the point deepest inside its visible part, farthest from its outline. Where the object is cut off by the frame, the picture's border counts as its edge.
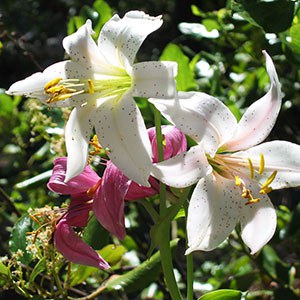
(80, 273)
(39, 268)
(95, 235)
(6, 105)
(3, 269)
(273, 16)
(223, 295)
(112, 253)
(105, 13)
(140, 277)
(18, 238)
(185, 78)
(295, 36)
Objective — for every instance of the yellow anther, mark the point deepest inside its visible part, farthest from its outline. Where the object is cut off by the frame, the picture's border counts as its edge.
(52, 83)
(164, 141)
(246, 193)
(252, 201)
(59, 97)
(262, 164)
(95, 143)
(54, 89)
(91, 86)
(265, 190)
(251, 168)
(237, 180)
(269, 180)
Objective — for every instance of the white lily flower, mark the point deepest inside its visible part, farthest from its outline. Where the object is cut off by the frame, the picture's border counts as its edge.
(100, 83)
(233, 173)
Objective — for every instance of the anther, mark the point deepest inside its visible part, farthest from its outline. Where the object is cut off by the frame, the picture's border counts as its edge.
(237, 180)
(262, 164)
(91, 86)
(52, 83)
(251, 168)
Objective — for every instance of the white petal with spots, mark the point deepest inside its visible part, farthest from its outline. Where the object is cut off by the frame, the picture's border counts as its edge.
(204, 118)
(120, 127)
(184, 169)
(259, 119)
(258, 221)
(120, 39)
(213, 212)
(154, 79)
(280, 156)
(77, 135)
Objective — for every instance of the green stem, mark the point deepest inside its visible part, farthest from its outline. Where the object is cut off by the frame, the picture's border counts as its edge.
(190, 269)
(164, 236)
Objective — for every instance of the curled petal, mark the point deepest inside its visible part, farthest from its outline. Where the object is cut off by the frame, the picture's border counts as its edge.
(260, 117)
(78, 184)
(280, 156)
(82, 49)
(204, 118)
(154, 79)
(137, 191)
(213, 212)
(77, 135)
(258, 221)
(184, 169)
(120, 39)
(173, 144)
(108, 203)
(74, 249)
(120, 127)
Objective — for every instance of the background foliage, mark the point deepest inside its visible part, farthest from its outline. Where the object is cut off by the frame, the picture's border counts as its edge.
(217, 45)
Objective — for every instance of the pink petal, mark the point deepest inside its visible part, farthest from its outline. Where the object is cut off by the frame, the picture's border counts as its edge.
(175, 142)
(77, 184)
(109, 200)
(260, 117)
(78, 211)
(137, 191)
(74, 249)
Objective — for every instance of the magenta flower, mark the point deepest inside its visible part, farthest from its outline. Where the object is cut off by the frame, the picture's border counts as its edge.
(104, 196)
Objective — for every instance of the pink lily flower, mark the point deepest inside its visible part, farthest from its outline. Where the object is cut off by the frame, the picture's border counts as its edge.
(104, 196)
(233, 171)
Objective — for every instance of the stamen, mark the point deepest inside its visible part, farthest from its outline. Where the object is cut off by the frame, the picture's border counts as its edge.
(246, 193)
(95, 143)
(91, 191)
(265, 188)
(237, 180)
(52, 83)
(91, 86)
(251, 168)
(262, 164)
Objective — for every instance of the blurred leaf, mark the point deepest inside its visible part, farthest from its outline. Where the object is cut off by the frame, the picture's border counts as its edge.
(3, 269)
(273, 16)
(105, 13)
(140, 277)
(185, 78)
(18, 238)
(211, 24)
(38, 268)
(112, 253)
(295, 36)
(80, 273)
(223, 295)
(95, 235)
(196, 11)
(6, 105)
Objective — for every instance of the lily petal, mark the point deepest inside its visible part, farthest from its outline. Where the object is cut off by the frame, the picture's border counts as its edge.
(82, 49)
(79, 210)
(260, 117)
(78, 184)
(120, 39)
(154, 79)
(120, 127)
(77, 135)
(213, 212)
(108, 202)
(137, 191)
(74, 249)
(258, 221)
(204, 118)
(174, 142)
(184, 169)
(280, 156)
